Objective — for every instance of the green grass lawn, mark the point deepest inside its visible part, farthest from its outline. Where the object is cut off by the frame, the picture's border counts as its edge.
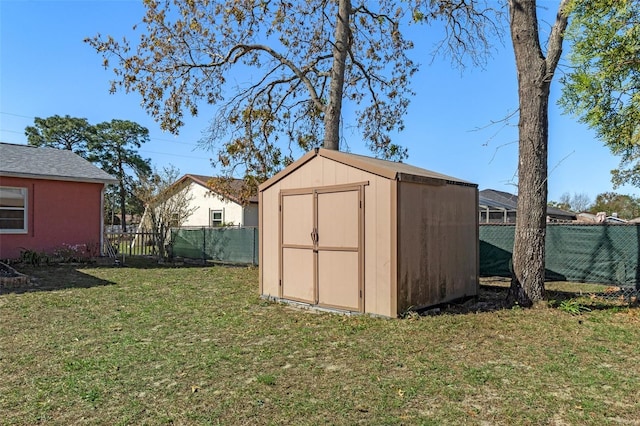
(196, 345)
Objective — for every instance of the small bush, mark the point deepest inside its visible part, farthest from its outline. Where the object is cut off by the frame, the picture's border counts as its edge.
(77, 253)
(572, 307)
(33, 258)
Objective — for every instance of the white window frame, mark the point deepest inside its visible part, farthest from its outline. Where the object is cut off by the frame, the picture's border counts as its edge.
(211, 220)
(174, 221)
(25, 211)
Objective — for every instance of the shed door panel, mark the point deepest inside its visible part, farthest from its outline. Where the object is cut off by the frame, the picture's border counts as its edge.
(338, 281)
(338, 219)
(297, 220)
(338, 249)
(298, 276)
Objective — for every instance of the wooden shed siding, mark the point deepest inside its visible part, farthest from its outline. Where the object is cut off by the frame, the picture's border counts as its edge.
(394, 251)
(270, 241)
(437, 252)
(260, 243)
(378, 255)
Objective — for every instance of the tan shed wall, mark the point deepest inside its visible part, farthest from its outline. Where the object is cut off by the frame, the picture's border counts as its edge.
(438, 250)
(320, 172)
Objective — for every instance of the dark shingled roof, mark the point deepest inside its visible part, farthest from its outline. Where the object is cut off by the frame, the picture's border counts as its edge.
(504, 200)
(48, 163)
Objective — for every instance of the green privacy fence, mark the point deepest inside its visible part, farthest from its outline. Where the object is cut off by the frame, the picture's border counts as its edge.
(606, 254)
(232, 245)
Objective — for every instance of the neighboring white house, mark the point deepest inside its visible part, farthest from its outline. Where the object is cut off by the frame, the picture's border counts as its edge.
(211, 209)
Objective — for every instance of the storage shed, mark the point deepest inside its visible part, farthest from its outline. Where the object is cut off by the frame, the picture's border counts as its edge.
(360, 234)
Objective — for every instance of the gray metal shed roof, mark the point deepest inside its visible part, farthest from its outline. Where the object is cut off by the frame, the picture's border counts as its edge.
(48, 163)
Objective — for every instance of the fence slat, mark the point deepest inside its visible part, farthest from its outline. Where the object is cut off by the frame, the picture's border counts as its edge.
(132, 243)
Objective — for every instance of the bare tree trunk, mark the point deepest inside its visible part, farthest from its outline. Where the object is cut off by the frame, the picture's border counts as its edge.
(123, 197)
(535, 73)
(334, 108)
(123, 205)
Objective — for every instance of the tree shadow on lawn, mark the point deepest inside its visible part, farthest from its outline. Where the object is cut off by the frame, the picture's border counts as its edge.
(53, 277)
(66, 276)
(492, 297)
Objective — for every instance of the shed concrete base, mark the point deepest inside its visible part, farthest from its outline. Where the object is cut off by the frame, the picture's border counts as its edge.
(315, 308)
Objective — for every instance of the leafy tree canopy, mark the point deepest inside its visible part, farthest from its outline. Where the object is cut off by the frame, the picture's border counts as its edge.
(115, 150)
(71, 133)
(626, 206)
(603, 87)
(629, 169)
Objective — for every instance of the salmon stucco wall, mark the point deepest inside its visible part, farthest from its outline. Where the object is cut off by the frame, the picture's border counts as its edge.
(59, 213)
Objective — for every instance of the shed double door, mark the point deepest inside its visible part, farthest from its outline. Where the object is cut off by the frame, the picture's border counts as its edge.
(321, 236)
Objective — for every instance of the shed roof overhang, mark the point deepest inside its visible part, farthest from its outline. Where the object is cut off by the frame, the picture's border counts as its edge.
(384, 168)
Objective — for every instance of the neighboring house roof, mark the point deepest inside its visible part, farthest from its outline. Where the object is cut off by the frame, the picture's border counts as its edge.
(203, 180)
(503, 200)
(499, 199)
(376, 166)
(27, 161)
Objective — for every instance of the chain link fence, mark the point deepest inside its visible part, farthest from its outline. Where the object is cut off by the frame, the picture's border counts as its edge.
(225, 244)
(599, 254)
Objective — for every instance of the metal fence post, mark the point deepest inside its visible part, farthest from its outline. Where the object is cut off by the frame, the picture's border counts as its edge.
(204, 246)
(255, 242)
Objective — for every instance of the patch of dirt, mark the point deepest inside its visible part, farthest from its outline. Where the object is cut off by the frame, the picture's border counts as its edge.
(489, 299)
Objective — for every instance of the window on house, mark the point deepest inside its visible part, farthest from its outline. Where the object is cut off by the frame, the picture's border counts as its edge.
(13, 210)
(174, 222)
(216, 218)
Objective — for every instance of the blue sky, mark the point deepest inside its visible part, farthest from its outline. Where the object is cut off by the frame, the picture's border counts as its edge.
(46, 69)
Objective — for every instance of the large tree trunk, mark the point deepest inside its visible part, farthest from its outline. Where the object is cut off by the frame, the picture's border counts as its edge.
(334, 107)
(535, 73)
